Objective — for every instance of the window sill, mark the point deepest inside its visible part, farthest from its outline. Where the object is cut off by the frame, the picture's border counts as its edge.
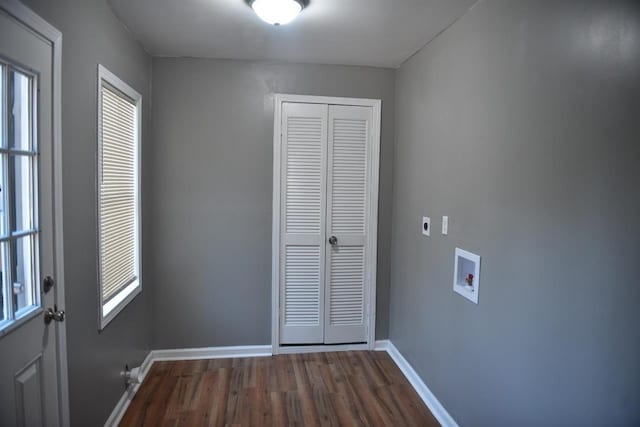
(25, 315)
(115, 305)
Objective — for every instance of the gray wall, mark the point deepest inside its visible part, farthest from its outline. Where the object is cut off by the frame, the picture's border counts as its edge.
(212, 162)
(92, 35)
(522, 123)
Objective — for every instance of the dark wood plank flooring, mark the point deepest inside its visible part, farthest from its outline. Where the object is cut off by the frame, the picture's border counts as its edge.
(354, 388)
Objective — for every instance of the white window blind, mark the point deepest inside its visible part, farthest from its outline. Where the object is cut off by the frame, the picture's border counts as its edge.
(118, 194)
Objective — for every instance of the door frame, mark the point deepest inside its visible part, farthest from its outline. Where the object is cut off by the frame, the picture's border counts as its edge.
(372, 244)
(33, 21)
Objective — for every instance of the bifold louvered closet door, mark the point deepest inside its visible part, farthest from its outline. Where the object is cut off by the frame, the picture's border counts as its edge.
(303, 194)
(324, 223)
(347, 221)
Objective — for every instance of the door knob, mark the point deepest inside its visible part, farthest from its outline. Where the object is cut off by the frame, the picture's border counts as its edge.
(333, 240)
(53, 314)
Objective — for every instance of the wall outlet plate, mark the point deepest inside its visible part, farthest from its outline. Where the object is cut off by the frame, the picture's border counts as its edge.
(426, 226)
(445, 225)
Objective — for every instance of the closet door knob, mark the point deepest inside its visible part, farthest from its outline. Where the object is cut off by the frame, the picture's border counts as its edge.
(333, 240)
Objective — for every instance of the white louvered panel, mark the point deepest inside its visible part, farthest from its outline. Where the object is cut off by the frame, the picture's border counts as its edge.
(325, 186)
(349, 176)
(304, 158)
(302, 286)
(347, 220)
(304, 174)
(347, 286)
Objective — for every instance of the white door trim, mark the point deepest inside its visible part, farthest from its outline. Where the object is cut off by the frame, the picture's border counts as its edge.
(32, 20)
(372, 247)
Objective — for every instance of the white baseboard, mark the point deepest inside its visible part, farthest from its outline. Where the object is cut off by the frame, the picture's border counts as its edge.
(211, 352)
(436, 408)
(421, 388)
(127, 397)
(382, 345)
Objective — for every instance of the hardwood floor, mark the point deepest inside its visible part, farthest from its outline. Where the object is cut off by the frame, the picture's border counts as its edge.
(338, 389)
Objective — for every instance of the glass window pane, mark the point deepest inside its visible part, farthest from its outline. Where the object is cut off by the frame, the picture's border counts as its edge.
(20, 108)
(3, 195)
(3, 142)
(22, 193)
(23, 273)
(3, 260)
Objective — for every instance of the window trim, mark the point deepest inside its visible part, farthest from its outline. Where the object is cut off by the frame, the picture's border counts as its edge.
(108, 310)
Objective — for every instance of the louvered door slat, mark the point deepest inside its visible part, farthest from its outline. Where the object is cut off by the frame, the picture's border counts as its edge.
(302, 293)
(349, 169)
(304, 169)
(347, 219)
(346, 305)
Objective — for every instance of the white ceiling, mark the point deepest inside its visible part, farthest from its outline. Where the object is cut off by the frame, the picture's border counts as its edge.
(382, 33)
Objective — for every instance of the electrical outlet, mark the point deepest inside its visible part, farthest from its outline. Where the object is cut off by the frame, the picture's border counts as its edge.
(426, 226)
(445, 225)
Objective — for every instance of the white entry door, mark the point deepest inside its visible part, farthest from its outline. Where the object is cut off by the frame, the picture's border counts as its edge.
(29, 375)
(327, 222)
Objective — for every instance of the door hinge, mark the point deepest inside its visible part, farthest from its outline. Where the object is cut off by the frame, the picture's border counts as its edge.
(368, 317)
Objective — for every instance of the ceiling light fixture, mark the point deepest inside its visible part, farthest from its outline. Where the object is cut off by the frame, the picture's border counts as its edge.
(277, 12)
